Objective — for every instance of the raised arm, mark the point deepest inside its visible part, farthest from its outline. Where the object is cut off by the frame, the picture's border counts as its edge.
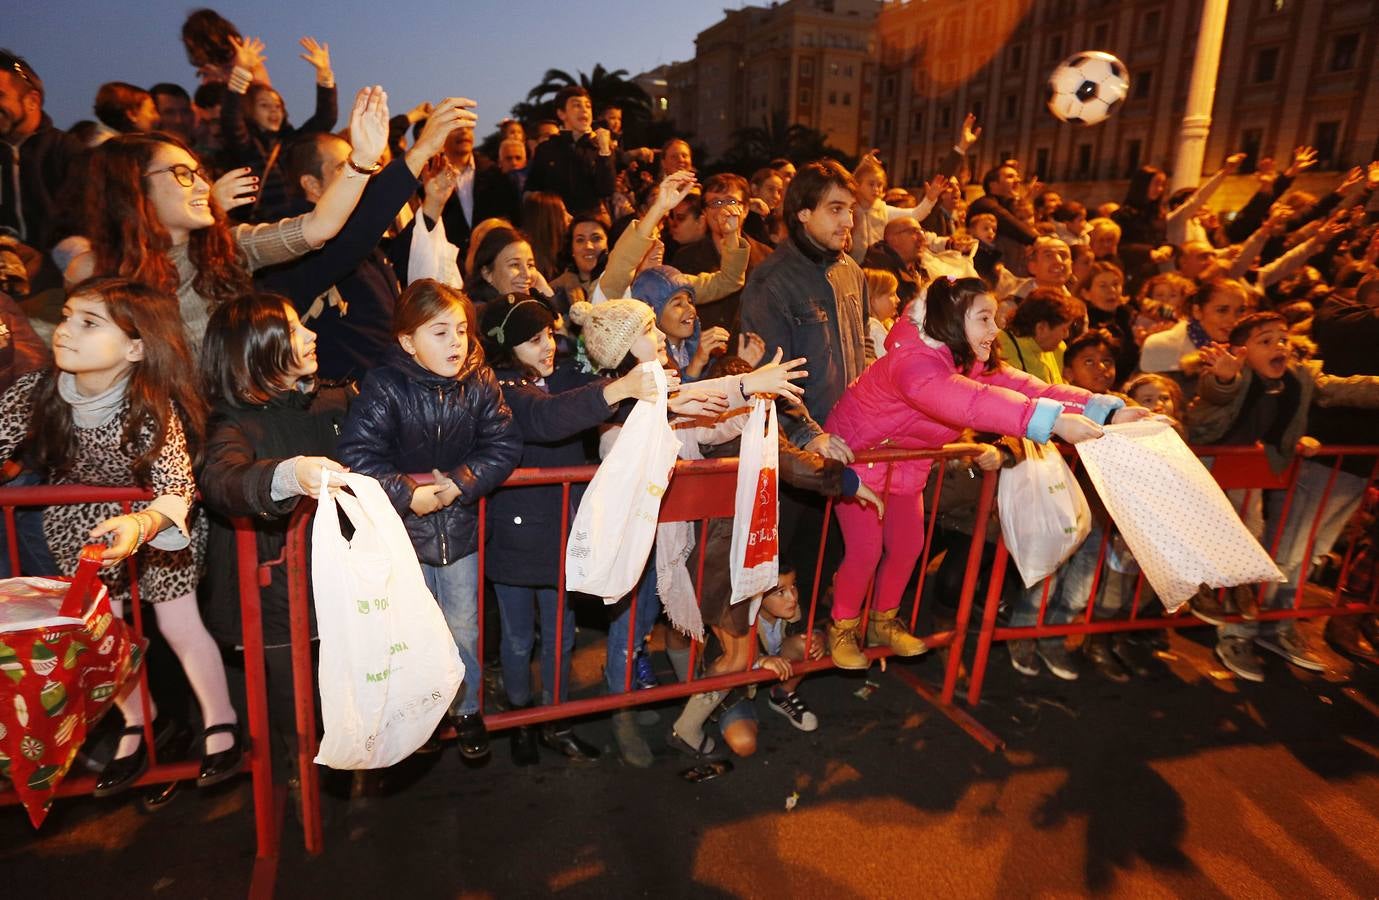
(327, 100)
(368, 138)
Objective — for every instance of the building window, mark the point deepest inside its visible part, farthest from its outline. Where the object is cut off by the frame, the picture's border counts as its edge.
(847, 98)
(917, 122)
(1084, 160)
(1133, 150)
(978, 108)
(804, 97)
(1041, 161)
(833, 68)
(832, 98)
(806, 68)
(1015, 56)
(914, 171)
(945, 117)
(1101, 34)
(1010, 107)
(888, 86)
(847, 71)
(885, 126)
(1251, 139)
(1144, 82)
(1328, 135)
(1150, 24)
(1344, 48)
(1266, 65)
(1055, 47)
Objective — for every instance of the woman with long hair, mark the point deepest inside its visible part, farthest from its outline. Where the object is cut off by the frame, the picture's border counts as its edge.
(545, 220)
(150, 216)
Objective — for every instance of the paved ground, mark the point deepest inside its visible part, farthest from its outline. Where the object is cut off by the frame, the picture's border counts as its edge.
(1187, 784)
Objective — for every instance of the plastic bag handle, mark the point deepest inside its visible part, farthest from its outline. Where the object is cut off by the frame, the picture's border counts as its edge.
(88, 571)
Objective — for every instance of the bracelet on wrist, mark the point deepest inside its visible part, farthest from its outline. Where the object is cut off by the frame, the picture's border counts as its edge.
(742, 389)
(240, 79)
(371, 170)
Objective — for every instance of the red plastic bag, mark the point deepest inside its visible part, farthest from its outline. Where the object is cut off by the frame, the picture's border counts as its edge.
(58, 677)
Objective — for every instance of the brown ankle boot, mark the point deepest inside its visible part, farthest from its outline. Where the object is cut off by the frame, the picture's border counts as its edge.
(843, 644)
(885, 630)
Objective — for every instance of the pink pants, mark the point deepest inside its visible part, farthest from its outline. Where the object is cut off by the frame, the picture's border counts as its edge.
(901, 535)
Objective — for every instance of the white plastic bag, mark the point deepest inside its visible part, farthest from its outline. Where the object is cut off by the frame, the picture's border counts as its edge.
(947, 263)
(756, 509)
(389, 667)
(1044, 516)
(1172, 513)
(433, 256)
(615, 525)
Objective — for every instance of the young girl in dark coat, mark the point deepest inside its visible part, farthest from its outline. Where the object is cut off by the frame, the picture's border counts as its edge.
(272, 432)
(433, 406)
(554, 407)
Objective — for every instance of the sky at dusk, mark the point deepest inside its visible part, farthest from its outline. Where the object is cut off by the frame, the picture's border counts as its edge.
(493, 52)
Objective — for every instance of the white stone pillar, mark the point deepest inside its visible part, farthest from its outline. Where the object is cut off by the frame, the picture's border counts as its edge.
(1192, 139)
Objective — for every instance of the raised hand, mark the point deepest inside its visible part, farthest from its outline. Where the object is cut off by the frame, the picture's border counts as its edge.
(709, 341)
(777, 378)
(970, 132)
(248, 53)
(369, 126)
(935, 188)
(438, 179)
(318, 57)
(1218, 361)
(673, 189)
(236, 187)
(451, 113)
(1304, 158)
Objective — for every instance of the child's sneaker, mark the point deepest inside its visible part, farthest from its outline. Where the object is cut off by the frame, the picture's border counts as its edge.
(793, 707)
(1290, 645)
(1238, 655)
(1023, 657)
(644, 674)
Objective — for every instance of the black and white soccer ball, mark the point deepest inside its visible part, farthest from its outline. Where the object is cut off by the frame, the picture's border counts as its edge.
(1086, 87)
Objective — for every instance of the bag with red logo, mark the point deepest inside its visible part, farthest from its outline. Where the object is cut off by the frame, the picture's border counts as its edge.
(64, 656)
(756, 549)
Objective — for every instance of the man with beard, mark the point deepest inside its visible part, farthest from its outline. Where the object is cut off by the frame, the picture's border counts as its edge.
(35, 157)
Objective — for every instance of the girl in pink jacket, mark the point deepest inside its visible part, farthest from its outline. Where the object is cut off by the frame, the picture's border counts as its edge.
(933, 382)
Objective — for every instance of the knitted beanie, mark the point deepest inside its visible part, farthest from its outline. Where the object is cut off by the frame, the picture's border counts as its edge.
(610, 328)
(514, 319)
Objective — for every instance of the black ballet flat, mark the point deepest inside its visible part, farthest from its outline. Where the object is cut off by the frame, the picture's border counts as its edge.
(217, 767)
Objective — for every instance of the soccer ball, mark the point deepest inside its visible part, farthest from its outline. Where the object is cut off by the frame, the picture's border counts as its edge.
(1086, 87)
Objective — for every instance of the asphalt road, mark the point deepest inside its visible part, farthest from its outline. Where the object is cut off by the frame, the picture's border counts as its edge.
(1189, 783)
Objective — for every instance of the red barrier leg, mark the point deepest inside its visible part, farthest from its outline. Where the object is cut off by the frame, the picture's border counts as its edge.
(988, 632)
(266, 815)
(304, 678)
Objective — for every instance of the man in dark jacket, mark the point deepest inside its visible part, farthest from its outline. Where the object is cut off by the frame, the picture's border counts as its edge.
(35, 157)
(1002, 184)
(898, 253)
(725, 204)
(578, 163)
(346, 291)
(809, 298)
(480, 193)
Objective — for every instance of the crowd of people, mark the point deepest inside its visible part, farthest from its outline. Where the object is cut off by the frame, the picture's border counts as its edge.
(248, 307)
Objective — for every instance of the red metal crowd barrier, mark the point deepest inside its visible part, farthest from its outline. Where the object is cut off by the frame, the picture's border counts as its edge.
(700, 490)
(1237, 469)
(267, 807)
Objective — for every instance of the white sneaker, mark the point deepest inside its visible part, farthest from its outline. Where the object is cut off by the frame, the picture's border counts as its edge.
(793, 707)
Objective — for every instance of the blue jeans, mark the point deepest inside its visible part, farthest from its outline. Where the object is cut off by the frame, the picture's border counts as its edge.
(1069, 588)
(456, 589)
(518, 607)
(34, 556)
(1342, 503)
(648, 608)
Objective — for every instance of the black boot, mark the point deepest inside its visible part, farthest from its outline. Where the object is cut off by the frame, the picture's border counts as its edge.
(523, 743)
(561, 738)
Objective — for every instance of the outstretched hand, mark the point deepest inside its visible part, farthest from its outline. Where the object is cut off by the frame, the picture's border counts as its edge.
(317, 56)
(971, 131)
(777, 378)
(673, 189)
(236, 187)
(369, 126)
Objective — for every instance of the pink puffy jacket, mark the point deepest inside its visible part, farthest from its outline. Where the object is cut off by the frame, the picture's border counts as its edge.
(915, 398)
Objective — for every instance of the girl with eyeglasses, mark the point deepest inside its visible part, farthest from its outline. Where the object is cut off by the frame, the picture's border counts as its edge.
(150, 216)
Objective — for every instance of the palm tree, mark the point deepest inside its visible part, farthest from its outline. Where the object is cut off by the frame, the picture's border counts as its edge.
(606, 87)
(756, 145)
